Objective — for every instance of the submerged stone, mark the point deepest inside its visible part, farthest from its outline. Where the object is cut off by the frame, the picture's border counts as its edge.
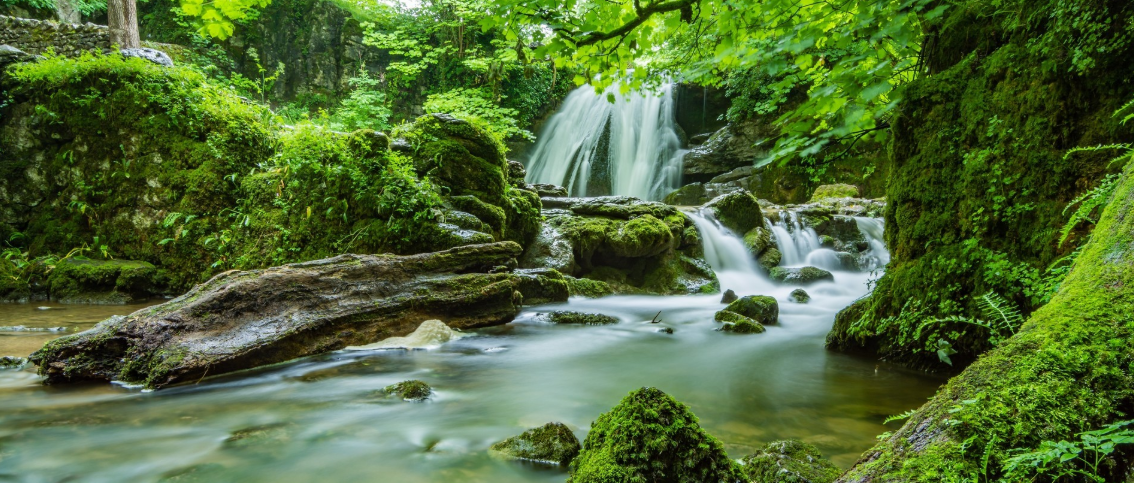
(551, 443)
(412, 390)
(789, 462)
(648, 437)
(430, 333)
(728, 297)
(800, 276)
(569, 317)
(799, 296)
(760, 308)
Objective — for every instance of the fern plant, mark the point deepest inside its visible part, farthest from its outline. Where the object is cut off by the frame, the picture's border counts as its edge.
(1002, 319)
(1095, 199)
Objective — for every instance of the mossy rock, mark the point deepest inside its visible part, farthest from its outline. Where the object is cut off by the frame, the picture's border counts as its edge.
(692, 194)
(738, 211)
(800, 276)
(585, 287)
(761, 308)
(644, 236)
(10, 362)
(828, 191)
(583, 318)
(799, 296)
(102, 281)
(729, 297)
(649, 436)
(770, 259)
(789, 462)
(542, 286)
(551, 443)
(412, 390)
(734, 322)
(758, 240)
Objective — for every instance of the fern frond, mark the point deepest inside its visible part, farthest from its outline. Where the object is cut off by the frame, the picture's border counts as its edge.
(1129, 106)
(1092, 149)
(1004, 314)
(900, 417)
(1096, 197)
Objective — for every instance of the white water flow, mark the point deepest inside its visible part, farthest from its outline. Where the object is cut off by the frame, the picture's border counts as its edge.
(595, 147)
(795, 240)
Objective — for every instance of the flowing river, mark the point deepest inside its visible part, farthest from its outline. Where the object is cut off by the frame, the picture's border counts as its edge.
(322, 419)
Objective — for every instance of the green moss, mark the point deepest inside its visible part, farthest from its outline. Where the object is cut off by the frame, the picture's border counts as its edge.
(800, 276)
(412, 390)
(738, 211)
(770, 258)
(551, 443)
(649, 436)
(828, 191)
(761, 308)
(9, 362)
(568, 317)
(740, 324)
(583, 287)
(790, 462)
(799, 296)
(643, 236)
(102, 281)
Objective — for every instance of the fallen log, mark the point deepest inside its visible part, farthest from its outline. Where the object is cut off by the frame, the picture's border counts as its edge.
(240, 320)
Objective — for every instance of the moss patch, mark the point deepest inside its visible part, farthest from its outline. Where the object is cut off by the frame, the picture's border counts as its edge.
(550, 443)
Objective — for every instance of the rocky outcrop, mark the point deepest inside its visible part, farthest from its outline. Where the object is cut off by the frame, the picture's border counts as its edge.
(789, 462)
(240, 320)
(39, 36)
(552, 443)
(800, 276)
(761, 308)
(629, 244)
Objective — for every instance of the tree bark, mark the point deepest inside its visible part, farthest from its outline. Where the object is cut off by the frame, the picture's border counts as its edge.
(122, 18)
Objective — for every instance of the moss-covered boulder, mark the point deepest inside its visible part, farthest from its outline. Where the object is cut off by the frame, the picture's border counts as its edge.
(828, 191)
(770, 259)
(541, 286)
(10, 362)
(761, 308)
(651, 437)
(800, 276)
(551, 443)
(729, 297)
(75, 281)
(789, 462)
(585, 287)
(736, 323)
(412, 390)
(632, 246)
(738, 211)
(582, 318)
(799, 296)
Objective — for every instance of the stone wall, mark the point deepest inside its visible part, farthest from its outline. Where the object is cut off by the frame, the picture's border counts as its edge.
(38, 36)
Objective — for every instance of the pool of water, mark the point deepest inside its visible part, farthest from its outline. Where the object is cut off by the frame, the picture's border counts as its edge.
(323, 418)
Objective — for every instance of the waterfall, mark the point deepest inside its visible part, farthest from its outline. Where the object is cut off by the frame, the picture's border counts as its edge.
(595, 147)
(725, 251)
(872, 229)
(794, 240)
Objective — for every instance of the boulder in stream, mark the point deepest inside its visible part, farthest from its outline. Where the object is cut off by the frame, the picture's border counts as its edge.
(239, 320)
(761, 308)
(11, 362)
(552, 443)
(799, 296)
(583, 318)
(738, 324)
(649, 436)
(412, 390)
(800, 276)
(789, 462)
(728, 297)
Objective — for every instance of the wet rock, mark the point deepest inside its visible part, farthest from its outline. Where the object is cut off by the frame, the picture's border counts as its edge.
(516, 173)
(799, 296)
(789, 462)
(12, 55)
(758, 240)
(734, 322)
(239, 320)
(153, 55)
(547, 190)
(738, 211)
(429, 334)
(770, 259)
(729, 148)
(585, 287)
(542, 286)
(551, 443)
(583, 318)
(761, 308)
(834, 191)
(649, 436)
(550, 250)
(698, 139)
(696, 194)
(729, 297)
(112, 282)
(412, 390)
(666, 330)
(800, 276)
(10, 362)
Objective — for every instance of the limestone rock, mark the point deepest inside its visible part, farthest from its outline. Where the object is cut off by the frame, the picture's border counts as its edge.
(551, 443)
(239, 320)
(800, 276)
(153, 55)
(738, 211)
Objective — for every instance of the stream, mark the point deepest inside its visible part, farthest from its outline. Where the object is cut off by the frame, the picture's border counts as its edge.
(323, 419)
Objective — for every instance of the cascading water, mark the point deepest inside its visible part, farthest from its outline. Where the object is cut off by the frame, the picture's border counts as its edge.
(595, 147)
(794, 240)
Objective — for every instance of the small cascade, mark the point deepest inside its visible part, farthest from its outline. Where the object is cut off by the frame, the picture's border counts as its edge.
(594, 147)
(872, 229)
(796, 241)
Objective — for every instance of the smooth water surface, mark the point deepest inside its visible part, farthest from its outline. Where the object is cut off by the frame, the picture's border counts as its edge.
(324, 418)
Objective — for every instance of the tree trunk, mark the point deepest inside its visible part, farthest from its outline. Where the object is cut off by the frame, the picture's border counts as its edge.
(122, 18)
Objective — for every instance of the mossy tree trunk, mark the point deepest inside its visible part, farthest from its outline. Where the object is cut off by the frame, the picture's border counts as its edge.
(122, 19)
(1068, 370)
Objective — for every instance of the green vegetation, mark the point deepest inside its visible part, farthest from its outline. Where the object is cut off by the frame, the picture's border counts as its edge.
(412, 390)
(789, 462)
(550, 443)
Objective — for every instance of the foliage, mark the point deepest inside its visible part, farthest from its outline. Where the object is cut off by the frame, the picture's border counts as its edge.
(85, 7)
(1082, 458)
(261, 85)
(217, 17)
(365, 107)
(476, 106)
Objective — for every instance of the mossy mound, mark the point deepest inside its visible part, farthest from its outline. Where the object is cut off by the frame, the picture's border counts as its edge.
(541, 286)
(799, 296)
(789, 462)
(800, 276)
(770, 258)
(163, 166)
(412, 390)
(583, 318)
(10, 362)
(981, 176)
(738, 211)
(739, 324)
(729, 297)
(828, 191)
(583, 287)
(551, 443)
(103, 281)
(649, 436)
(761, 308)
